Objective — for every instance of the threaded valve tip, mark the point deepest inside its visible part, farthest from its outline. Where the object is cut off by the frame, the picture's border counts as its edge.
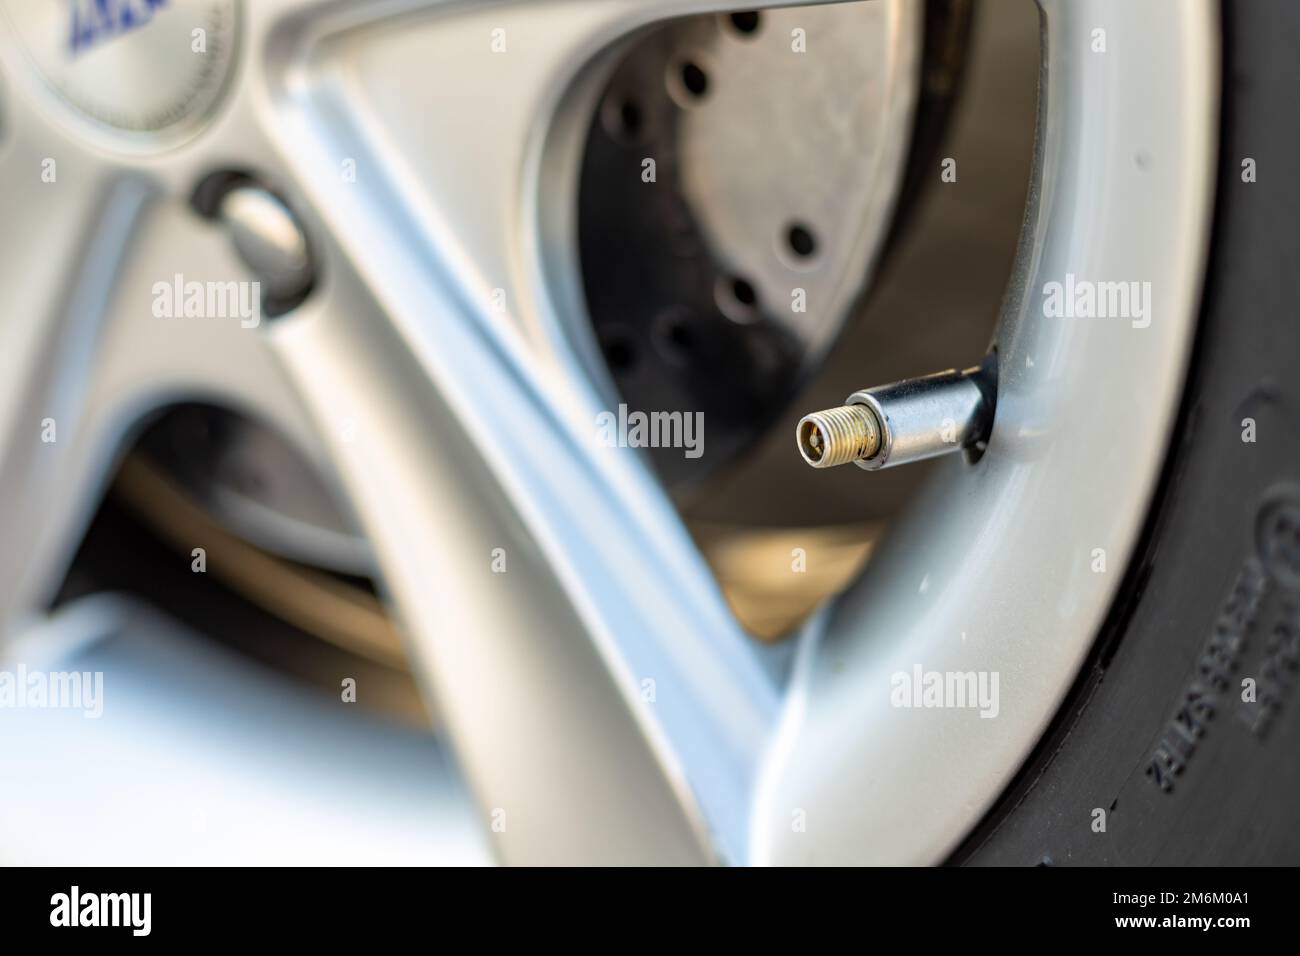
(837, 436)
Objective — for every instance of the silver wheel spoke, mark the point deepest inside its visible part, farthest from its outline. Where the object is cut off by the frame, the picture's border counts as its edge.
(55, 443)
(87, 360)
(598, 691)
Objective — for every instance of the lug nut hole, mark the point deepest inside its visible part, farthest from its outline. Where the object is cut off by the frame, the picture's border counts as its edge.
(674, 336)
(688, 81)
(623, 119)
(694, 79)
(736, 298)
(800, 240)
(745, 22)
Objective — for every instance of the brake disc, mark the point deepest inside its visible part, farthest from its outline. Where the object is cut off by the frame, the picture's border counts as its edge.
(736, 195)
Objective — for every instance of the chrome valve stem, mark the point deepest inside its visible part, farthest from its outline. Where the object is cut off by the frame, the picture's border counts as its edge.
(902, 422)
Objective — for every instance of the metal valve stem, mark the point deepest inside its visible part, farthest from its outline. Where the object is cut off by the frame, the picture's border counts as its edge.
(902, 422)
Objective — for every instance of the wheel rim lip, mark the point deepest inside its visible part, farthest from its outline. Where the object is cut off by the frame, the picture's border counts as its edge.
(968, 580)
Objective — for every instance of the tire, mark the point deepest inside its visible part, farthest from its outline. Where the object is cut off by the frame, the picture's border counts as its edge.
(1156, 742)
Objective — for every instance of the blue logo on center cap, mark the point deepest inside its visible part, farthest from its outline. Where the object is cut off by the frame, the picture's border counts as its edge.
(95, 20)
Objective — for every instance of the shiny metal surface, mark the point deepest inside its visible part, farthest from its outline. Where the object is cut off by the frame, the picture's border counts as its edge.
(926, 417)
(269, 237)
(900, 423)
(598, 694)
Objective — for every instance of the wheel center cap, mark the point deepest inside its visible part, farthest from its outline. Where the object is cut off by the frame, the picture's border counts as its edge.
(139, 67)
